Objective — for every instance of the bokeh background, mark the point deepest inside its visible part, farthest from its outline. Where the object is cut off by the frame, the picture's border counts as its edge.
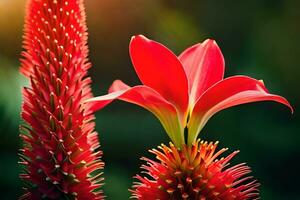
(259, 38)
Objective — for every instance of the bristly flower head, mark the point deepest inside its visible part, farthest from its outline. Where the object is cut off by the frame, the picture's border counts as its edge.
(184, 91)
(194, 173)
(59, 138)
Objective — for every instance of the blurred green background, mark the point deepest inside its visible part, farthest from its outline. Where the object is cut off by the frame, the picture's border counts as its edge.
(259, 38)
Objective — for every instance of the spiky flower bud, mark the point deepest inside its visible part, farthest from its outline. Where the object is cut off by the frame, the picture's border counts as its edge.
(194, 173)
(58, 134)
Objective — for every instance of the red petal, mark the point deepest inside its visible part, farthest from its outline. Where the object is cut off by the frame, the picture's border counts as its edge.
(204, 66)
(229, 92)
(158, 68)
(147, 98)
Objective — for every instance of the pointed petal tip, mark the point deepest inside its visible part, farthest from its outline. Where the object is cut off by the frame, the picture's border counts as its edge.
(261, 81)
(117, 85)
(138, 37)
(133, 38)
(287, 103)
(209, 41)
(117, 81)
(277, 98)
(283, 101)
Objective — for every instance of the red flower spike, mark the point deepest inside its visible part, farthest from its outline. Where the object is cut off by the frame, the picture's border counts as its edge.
(194, 172)
(59, 138)
(198, 72)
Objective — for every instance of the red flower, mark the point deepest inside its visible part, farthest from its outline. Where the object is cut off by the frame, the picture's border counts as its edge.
(184, 91)
(194, 173)
(59, 138)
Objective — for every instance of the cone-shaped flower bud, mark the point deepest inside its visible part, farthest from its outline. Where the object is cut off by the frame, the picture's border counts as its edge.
(194, 173)
(59, 138)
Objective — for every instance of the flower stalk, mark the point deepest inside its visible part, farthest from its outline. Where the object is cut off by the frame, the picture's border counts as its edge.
(61, 150)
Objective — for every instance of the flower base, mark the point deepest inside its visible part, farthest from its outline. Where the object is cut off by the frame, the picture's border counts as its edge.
(194, 173)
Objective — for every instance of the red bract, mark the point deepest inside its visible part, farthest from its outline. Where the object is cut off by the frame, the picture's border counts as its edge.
(194, 173)
(184, 91)
(59, 138)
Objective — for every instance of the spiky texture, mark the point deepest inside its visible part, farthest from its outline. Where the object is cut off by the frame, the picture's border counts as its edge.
(194, 173)
(59, 138)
